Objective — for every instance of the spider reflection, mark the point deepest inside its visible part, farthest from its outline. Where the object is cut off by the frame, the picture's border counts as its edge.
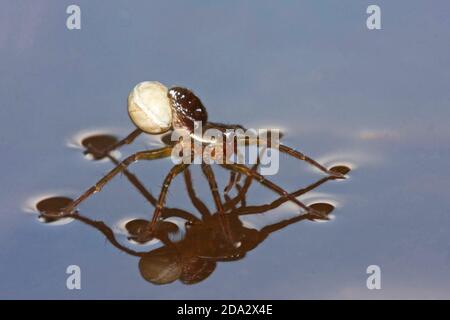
(209, 235)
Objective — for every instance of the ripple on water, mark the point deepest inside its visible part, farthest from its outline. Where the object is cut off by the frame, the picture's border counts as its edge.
(134, 229)
(93, 142)
(342, 169)
(52, 206)
(325, 208)
(95, 145)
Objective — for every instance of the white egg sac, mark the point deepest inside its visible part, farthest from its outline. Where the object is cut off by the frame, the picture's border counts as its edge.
(149, 107)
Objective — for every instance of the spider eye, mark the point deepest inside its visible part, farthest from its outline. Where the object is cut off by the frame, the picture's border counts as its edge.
(187, 109)
(149, 107)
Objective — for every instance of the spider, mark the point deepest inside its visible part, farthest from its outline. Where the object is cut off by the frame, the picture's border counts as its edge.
(212, 238)
(155, 109)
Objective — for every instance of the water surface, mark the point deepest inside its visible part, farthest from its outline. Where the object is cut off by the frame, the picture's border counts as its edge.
(377, 101)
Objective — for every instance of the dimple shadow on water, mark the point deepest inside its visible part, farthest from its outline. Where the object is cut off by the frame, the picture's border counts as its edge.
(208, 237)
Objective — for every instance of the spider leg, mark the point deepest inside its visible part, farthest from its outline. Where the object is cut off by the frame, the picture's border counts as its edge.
(127, 140)
(231, 206)
(142, 155)
(244, 197)
(135, 181)
(226, 126)
(175, 212)
(235, 178)
(130, 176)
(198, 204)
(298, 155)
(162, 196)
(282, 224)
(242, 193)
(167, 212)
(261, 179)
(231, 182)
(209, 174)
(258, 209)
(107, 232)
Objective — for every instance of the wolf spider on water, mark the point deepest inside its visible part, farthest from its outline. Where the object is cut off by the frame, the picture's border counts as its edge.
(210, 236)
(154, 109)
